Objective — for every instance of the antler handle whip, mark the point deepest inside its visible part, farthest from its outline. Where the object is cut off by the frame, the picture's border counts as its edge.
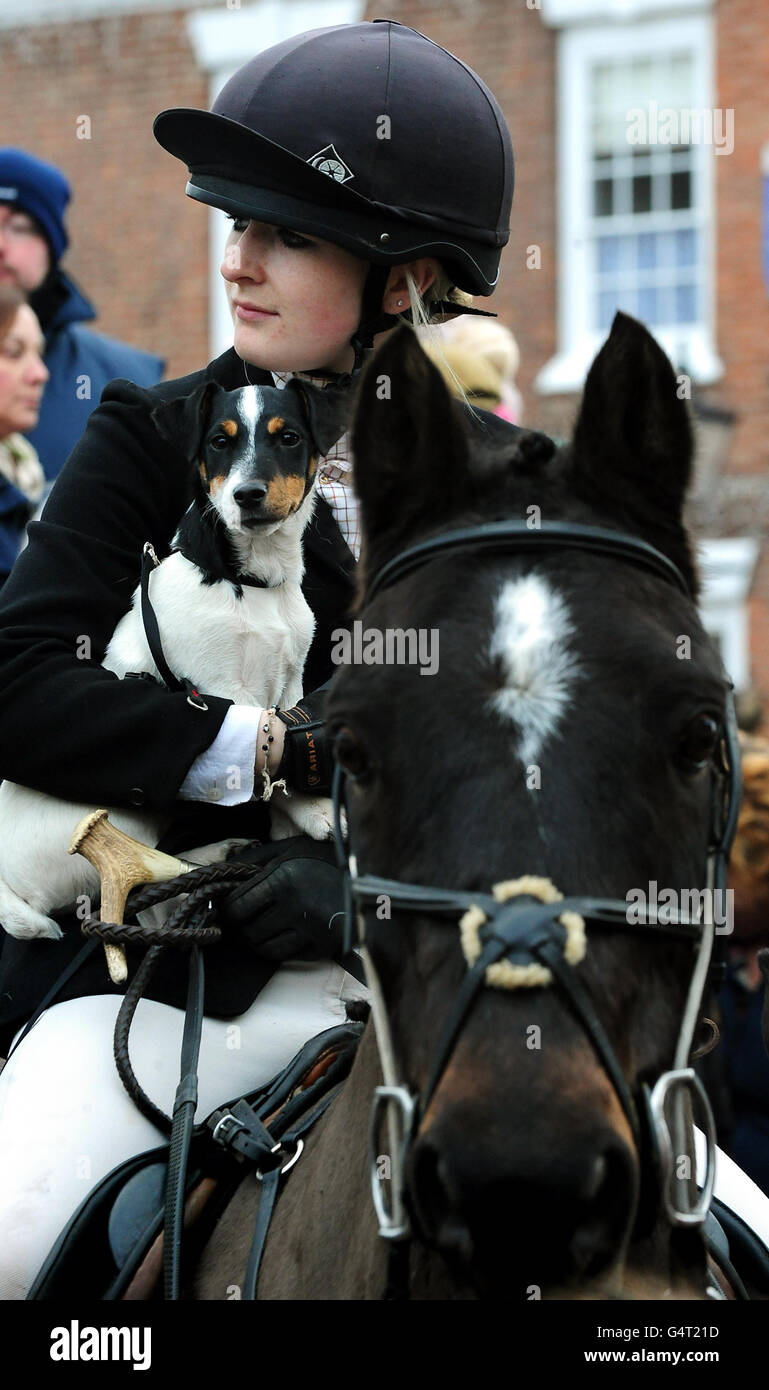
(122, 864)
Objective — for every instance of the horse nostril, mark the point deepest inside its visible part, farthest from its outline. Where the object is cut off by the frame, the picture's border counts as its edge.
(436, 1203)
(568, 1215)
(602, 1219)
(250, 494)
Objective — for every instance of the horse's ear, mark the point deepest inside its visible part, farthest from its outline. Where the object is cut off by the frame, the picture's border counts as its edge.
(632, 446)
(409, 447)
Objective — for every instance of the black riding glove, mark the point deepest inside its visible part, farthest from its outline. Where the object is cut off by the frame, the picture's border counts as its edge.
(294, 904)
(307, 763)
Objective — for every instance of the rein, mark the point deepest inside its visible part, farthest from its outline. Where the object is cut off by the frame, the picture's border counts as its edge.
(522, 930)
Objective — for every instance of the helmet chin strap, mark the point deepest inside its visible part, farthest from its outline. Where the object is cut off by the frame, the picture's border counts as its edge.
(372, 321)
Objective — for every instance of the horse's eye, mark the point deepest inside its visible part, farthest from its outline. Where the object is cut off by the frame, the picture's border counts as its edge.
(289, 437)
(698, 742)
(350, 753)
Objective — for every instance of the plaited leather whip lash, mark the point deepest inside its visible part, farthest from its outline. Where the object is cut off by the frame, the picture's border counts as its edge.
(184, 929)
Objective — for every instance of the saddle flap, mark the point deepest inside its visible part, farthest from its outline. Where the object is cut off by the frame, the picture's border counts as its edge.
(135, 1211)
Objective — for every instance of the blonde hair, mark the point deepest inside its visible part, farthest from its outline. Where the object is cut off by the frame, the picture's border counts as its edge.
(441, 290)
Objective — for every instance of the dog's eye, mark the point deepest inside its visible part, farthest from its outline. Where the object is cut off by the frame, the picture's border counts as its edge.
(219, 441)
(290, 438)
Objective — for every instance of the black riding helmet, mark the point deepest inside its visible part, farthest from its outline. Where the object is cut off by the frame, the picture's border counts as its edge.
(367, 135)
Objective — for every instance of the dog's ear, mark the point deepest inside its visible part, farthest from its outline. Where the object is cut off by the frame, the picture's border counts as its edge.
(326, 410)
(184, 420)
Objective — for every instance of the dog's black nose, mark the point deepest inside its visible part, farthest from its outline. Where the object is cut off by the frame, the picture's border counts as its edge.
(250, 494)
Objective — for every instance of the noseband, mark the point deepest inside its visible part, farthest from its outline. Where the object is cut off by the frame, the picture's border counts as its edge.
(523, 930)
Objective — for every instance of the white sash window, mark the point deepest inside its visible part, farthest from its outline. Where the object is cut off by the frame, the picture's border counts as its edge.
(637, 141)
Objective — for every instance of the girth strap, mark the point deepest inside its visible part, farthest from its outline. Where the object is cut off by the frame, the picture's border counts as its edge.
(270, 1191)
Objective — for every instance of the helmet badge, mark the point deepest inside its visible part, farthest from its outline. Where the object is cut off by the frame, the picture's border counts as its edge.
(329, 161)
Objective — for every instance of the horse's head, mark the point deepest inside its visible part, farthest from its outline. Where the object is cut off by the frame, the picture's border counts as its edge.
(560, 719)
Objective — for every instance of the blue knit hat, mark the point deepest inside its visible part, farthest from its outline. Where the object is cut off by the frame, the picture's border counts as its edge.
(39, 189)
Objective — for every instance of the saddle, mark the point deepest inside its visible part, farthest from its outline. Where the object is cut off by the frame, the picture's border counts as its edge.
(112, 1248)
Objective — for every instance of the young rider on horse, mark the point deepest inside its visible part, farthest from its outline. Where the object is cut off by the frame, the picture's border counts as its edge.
(369, 174)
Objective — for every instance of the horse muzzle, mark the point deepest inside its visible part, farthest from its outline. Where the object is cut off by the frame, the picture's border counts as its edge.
(521, 1213)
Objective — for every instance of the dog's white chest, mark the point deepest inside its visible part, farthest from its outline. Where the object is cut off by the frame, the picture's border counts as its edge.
(247, 649)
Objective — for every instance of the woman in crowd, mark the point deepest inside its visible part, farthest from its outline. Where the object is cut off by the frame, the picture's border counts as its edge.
(23, 375)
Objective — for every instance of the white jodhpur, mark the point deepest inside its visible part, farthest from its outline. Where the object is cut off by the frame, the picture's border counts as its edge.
(736, 1190)
(66, 1121)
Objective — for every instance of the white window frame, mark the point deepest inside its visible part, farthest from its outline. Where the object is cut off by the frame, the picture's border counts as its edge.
(726, 570)
(223, 40)
(578, 48)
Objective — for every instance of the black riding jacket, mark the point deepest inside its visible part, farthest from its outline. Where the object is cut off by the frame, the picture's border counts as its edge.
(72, 729)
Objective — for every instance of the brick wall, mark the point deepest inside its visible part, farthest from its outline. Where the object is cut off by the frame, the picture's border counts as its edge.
(138, 246)
(742, 47)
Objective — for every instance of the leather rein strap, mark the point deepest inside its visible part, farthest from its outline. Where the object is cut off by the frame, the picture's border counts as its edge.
(525, 929)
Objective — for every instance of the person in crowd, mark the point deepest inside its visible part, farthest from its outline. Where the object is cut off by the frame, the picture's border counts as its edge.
(469, 376)
(485, 339)
(745, 1064)
(33, 238)
(23, 375)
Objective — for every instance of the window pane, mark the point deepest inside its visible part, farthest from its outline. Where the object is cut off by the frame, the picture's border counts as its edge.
(607, 304)
(686, 247)
(665, 250)
(608, 254)
(603, 198)
(686, 303)
(648, 249)
(681, 194)
(647, 304)
(642, 193)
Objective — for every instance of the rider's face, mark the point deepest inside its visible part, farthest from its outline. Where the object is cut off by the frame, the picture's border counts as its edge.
(295, 300)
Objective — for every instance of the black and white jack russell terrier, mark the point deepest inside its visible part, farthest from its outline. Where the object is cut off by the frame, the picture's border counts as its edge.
(230, 614)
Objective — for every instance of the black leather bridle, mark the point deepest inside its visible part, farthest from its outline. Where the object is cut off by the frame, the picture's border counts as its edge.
(524, 929)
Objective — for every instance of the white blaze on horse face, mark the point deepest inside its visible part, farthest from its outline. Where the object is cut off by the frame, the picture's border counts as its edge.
(531, 642)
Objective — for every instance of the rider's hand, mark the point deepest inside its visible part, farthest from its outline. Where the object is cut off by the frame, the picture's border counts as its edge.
(294, 904)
